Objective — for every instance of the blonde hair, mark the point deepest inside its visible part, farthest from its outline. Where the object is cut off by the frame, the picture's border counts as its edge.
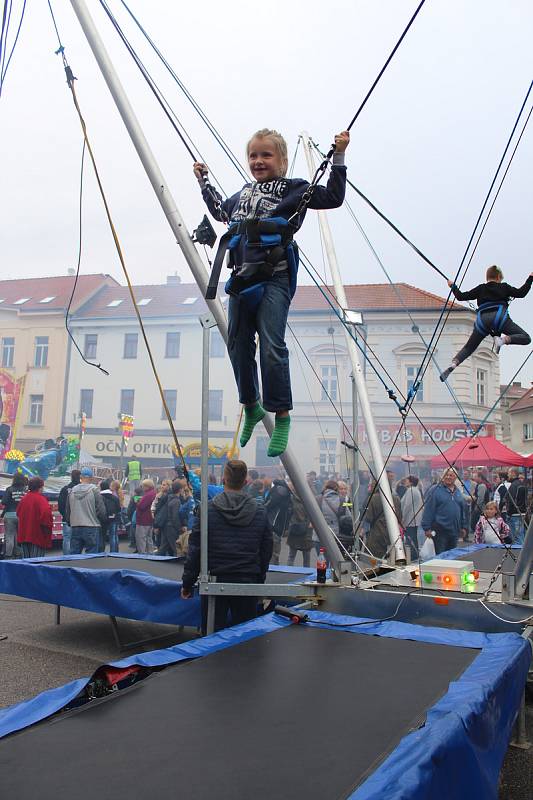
(148, 484)
(279, 143)
(491, 504)
(494, 272)
(117, 488)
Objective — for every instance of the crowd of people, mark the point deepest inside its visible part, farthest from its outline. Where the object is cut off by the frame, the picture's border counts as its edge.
(159, 519)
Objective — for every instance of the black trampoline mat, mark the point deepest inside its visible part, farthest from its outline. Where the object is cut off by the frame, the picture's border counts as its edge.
(168, 569)
(253, 722)
(487, 559)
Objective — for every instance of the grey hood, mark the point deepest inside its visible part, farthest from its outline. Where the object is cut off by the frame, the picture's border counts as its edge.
(237, 508)
(85, 506)
(82, 489)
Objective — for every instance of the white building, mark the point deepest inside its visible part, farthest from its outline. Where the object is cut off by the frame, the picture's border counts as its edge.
(107, 332)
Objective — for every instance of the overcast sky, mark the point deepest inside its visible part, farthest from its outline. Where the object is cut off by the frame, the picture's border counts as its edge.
(424, 149)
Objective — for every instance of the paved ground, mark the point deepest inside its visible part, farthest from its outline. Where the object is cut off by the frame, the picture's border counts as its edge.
(37, 654)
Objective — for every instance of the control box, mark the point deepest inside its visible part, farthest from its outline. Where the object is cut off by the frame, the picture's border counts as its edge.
(455, 575)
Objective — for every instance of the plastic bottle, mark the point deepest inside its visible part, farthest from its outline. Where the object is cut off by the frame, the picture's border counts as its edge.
(321, 566)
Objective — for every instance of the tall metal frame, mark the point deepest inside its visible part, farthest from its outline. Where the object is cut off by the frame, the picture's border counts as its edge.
(393, 528)
(198, 269)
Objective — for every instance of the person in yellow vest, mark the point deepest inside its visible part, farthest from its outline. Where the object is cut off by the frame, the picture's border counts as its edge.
(133, 474)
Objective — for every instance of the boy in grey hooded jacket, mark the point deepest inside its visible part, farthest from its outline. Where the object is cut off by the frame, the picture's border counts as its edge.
(85, 512)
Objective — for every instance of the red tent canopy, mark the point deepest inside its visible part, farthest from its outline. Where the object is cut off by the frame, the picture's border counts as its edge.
(483, 451)
(528, 461)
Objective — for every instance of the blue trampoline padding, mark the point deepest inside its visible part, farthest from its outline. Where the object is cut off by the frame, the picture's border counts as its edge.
(459, 552)
(457, 752)
(129, 593)
(121, 593)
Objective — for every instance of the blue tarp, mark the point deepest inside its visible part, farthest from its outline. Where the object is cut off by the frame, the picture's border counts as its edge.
(125, 592)
(459, 552)
(458, 751)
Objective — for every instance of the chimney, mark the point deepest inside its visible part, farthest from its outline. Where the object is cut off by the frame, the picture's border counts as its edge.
(173, 279)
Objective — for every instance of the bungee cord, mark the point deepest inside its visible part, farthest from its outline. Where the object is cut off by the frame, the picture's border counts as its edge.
(205, 119)
(78, 265)
(70, 82)
(447, 306)
(5, 59)
(389, 391)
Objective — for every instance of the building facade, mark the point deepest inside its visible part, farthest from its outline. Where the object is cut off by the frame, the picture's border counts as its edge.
(34, 349)
(521, 419)
(106, 331)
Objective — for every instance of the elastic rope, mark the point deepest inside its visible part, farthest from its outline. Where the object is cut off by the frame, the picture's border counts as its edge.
(436, 334)
(203, 116)
(7, 63)
(70, 82)
(78, 265)
(385, 65)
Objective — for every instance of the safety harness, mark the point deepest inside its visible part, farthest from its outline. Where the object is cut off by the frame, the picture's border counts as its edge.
(498, 321)
(265, 243)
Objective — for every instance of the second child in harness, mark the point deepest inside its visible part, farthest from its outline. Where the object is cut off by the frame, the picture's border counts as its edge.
(492, 315)
(262, 218)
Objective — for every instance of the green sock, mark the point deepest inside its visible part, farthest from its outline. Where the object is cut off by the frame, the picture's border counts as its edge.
(280, 436)
(252, 415)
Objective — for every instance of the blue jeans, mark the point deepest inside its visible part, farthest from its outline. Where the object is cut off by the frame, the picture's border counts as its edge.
(444, 539)
(518, 529)
(84, 537)
(67, 534)
(269, 322)
(112, 532)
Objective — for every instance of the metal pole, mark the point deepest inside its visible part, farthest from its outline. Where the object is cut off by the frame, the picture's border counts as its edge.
(207, 322)
(524, 565)
(373, 441)
(196, 265)
(355, 452)
(122, 455)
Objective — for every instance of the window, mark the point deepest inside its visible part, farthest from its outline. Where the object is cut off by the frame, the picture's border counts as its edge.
(528, 431)
(36, 409)
(89, 348)
(481, 387)
(48, 299)
(329, 383)
(262, 459)
(171, 399)
(130, 345)
(127, 398)
(411, 373)
(8, 351)
(172, 347)
(189, 301)
(215, 404)
(21, 301)
(114, 303)
(328, 456)
(41, 351)
(86, 402)
(144, 301)
(217, 346)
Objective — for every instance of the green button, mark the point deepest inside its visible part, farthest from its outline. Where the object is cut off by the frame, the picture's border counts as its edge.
(428, 577)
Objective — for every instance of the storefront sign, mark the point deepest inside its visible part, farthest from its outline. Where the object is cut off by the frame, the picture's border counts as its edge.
(159, 447)
(417, 435)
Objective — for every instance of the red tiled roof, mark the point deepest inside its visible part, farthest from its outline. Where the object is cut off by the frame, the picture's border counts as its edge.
(58, 288)
(526, 401)
(170, 299)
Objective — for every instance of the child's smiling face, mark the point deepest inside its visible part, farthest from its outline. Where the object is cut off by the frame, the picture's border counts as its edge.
(264, 160)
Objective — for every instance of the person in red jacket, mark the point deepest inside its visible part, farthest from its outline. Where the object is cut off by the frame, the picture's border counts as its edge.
(35, 521)
(144, 519)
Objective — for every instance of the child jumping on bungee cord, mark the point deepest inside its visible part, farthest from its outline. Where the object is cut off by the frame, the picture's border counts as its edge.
(262, 218)
(492, 315)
